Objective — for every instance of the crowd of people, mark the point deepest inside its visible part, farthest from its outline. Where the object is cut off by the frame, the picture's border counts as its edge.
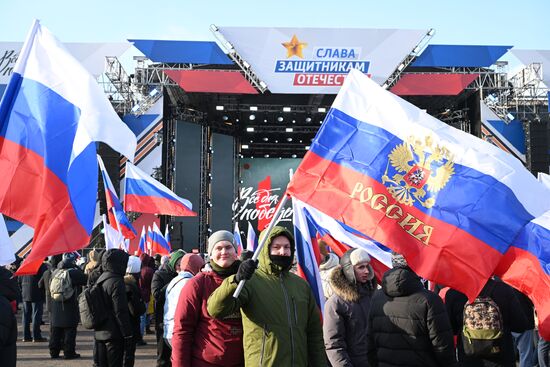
(275, 320)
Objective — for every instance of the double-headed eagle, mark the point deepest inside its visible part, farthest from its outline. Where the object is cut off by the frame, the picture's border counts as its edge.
(422, 170)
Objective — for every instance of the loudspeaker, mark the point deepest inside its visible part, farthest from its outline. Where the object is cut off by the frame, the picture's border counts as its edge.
(538, 145)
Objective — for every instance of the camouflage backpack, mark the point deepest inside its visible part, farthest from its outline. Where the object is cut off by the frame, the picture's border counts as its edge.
(482, 332)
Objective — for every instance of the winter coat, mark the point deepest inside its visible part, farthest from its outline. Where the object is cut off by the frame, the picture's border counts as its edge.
(161, 279)
(281, 320)
(408, 325)
(146, 276)
(118, 325)
(345, 321)
(513, 319)
(199, 339)
(29, 286)
(8, 324)
(44, 282)
(66, 314)
(136, 307)
(172, 296)
(325, 269)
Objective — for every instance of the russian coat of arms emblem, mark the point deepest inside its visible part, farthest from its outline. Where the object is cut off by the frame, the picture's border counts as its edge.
(417, 170)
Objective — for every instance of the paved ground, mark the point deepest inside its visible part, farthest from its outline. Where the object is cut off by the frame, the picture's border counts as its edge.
(37, 354)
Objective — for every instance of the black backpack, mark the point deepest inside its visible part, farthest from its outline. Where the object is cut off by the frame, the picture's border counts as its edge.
(93, 311)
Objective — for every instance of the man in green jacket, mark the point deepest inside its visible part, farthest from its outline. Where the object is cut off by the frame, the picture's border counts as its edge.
(281, 321)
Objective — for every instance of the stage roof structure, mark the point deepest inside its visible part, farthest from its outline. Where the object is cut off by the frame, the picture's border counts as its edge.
(460, 56)
(184, 52)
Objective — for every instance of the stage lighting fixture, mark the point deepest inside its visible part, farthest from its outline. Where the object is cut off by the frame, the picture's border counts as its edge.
(252, 117)
(276, 141)
(401, 67)
(266, 155)
(294, 156)
(280, 119)
(266, 138)
(265, 120)
(308, 119)
(289, 139)
(320, 122)
(246, 65)
(300, 141)
(213, 28)
(289, 129)
(225, 118)
(219, 108)
(263, 85)
(252, 141)
(431, 32)
(416, 49)
(293, 121)
(307, 147)
(237, 120)
(322, 110)
(250, 129)
(244, 146)
(154, 92)
(286, 109)
(510, 116)
(253, 108)
(135, 108)
(385, 85)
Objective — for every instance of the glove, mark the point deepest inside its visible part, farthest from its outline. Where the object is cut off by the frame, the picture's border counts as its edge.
(246, 270)
(245, 255)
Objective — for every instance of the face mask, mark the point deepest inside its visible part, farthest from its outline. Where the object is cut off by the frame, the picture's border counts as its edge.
(282, 261)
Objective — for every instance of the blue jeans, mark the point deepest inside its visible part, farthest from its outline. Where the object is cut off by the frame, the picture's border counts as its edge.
(526, 347)
(544, 353)
(144, 320)
(32, 312)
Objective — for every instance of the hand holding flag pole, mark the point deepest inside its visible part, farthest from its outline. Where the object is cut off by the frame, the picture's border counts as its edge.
(274, 221)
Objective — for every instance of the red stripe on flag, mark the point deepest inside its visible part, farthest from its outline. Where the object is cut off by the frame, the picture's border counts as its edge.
(523, 271)
(156, 205)
(38, 198)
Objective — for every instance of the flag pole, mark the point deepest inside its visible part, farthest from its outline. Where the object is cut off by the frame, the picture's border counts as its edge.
(274, 221)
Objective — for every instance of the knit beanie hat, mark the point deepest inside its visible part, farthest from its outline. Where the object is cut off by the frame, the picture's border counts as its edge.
(174, 257)
(218, 237)
(134, 265)
(398, 260)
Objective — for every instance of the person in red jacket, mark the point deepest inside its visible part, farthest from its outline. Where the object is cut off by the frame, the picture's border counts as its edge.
(147, 271)
(198, 339)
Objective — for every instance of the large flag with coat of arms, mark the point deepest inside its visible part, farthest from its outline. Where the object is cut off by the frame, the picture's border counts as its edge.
(459, 209)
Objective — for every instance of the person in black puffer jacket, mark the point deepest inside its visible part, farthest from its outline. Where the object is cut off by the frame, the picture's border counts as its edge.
(116, 332)
(408, 325)
(8, 325)
(346, 311)
(136, 307)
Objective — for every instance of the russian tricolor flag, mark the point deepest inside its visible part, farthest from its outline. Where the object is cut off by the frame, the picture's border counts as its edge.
(307, 253)
(142, 242)
(238, 239)
(158, 242)
(251, 238)
(459, 209)
(144, 194)
(117, 216)
(52, 113)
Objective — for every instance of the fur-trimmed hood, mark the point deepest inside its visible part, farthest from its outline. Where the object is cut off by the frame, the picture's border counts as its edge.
(342, 287)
